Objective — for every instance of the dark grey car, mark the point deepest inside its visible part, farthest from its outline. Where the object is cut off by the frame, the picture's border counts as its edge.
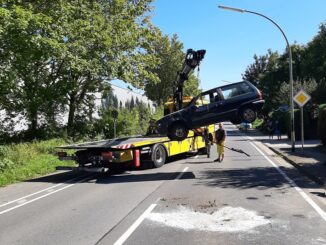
(237, 102)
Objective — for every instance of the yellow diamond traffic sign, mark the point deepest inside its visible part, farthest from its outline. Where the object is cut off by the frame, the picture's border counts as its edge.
(301, 98)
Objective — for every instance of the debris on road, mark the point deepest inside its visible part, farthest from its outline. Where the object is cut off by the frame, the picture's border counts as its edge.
(226, 219)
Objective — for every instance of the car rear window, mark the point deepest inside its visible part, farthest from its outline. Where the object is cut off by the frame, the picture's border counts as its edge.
(236, 90)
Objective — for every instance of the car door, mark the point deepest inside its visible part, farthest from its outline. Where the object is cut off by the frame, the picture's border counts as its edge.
(207, 109)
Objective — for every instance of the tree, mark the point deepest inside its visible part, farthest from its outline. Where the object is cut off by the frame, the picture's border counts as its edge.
(171, 57)
(314, 66)
(132, 103)
(55, 54)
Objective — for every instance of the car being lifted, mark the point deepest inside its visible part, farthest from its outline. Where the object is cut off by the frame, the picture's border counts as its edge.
(237, 102)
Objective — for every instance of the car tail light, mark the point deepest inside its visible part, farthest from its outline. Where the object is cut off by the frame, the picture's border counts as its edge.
(62, 154)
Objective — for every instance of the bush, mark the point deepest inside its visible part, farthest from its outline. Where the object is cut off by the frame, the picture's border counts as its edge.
(310, 124)
(322, 125)
(27, 160)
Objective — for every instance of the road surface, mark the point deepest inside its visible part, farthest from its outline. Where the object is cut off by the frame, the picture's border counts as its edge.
(243, 200)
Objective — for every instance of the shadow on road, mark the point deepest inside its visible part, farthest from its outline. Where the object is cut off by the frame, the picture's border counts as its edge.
(260, 178)
(73, 177)
(113, 179)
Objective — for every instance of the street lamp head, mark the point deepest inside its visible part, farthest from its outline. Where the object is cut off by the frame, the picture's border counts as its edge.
(232, 9)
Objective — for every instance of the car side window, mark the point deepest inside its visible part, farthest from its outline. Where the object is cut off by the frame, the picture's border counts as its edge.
(230, 92)
(236, 90)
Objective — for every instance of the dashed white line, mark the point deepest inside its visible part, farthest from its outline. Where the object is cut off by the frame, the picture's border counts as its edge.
(293, 184)
(180, 174)
(40, 197)
(35, 193)
(134, 226)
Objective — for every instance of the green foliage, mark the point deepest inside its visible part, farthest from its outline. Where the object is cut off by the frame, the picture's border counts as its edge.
(322, 126)
(24, 161)
(283, 96)
(270, 72)
(130, 121)
(171, 57)
(55, 55)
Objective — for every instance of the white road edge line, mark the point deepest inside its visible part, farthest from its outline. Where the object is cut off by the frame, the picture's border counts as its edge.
(134, 226)
(40, 197)
(182, 173)
(293, 184)
(35, 193)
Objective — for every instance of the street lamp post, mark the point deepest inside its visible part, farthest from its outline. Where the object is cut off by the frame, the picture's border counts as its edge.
(290, 65)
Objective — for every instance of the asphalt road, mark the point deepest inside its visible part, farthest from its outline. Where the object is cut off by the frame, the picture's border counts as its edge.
(243, 200)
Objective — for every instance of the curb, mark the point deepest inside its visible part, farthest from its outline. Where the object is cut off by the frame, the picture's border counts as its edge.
(300, 168)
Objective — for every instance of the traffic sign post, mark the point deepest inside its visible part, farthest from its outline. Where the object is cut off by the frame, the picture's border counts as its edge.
(301, 98)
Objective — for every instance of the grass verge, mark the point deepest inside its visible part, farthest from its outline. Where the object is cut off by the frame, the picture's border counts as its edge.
(24, 161)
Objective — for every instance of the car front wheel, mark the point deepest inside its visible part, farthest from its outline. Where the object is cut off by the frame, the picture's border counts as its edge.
(248, 115)
(178, 131)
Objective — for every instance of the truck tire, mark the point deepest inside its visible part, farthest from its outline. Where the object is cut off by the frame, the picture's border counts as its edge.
(178, 131)
(158, 155)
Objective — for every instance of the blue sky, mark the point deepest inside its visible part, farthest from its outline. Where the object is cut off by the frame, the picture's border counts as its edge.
(231, 38)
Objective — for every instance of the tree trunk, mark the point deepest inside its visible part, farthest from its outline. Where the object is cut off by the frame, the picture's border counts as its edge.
(34, 122)
(71, 115)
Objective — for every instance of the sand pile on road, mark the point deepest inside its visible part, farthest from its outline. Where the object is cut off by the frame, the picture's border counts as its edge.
(227, 219)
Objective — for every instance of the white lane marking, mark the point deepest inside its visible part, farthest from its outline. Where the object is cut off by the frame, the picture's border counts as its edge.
(134, 226)
(48, 194)
(293, 184)
(22, 201)
(35, 193)
(182, 173)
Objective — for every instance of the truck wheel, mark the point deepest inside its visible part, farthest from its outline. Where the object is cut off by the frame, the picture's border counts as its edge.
(248, 115)
(178, 131)
(158, 155)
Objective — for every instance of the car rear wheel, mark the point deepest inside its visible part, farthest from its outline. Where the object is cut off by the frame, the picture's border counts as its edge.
(178, 131)
(248, 115)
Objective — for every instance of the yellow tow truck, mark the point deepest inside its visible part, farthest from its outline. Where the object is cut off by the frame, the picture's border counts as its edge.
(137, 150)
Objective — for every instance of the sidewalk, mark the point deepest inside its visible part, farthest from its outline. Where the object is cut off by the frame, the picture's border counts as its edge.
(311, 161)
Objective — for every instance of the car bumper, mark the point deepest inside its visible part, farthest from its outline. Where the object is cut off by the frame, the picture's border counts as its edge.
(259, 104)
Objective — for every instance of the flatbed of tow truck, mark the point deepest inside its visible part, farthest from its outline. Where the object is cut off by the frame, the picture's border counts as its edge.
(119, 143)
(134, 150)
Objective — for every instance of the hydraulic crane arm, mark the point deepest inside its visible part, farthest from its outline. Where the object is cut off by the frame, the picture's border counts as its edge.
(192, 60)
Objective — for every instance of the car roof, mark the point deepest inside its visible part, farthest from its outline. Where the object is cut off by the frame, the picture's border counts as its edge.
(214, 89)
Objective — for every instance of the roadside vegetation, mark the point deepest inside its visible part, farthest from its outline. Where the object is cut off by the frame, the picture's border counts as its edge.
(28, 160)
(270, 73)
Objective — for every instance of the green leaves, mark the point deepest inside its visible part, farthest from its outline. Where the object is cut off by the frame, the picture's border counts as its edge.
(270, 72)
(54, 54)
(170, 57)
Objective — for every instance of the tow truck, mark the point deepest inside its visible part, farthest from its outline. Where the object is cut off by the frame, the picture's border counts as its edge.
(137, 150)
